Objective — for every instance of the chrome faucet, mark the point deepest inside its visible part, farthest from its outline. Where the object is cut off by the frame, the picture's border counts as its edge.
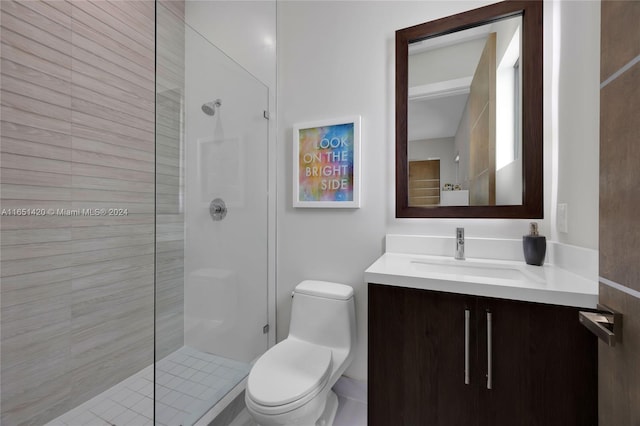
(460, 243)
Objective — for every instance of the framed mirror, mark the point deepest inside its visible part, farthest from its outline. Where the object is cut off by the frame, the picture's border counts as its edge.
(469, 114)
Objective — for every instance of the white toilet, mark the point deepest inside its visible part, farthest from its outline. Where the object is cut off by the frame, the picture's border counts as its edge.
(290, 384)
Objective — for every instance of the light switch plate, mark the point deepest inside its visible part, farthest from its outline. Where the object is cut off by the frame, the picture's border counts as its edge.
(561, 217)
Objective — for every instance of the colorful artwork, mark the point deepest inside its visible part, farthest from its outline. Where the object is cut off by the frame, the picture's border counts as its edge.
(326, 164)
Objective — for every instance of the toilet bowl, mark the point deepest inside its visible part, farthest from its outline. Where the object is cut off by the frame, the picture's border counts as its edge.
(291, 383)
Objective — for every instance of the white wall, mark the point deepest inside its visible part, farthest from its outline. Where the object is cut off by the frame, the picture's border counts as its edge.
(509, 184)
(244, 30)
(454, 61)
(577, 123)
(337, 59)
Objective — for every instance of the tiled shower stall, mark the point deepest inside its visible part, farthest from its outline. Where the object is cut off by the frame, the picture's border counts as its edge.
(122, 301)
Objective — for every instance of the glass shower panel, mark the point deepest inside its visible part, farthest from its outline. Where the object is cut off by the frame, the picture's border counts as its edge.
(226, 155)
(211, 269)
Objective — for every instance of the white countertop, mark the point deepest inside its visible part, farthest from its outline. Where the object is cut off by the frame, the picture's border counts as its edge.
(513, 279)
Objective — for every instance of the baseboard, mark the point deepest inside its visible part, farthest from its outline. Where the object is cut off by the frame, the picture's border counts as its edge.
(347, 387)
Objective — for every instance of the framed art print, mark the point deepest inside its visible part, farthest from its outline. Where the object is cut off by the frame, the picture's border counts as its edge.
(326, 163)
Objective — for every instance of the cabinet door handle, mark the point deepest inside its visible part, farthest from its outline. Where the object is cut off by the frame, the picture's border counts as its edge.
(467, 315)
(489, 361)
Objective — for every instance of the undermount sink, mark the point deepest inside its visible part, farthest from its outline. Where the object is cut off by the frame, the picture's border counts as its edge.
(471, 268)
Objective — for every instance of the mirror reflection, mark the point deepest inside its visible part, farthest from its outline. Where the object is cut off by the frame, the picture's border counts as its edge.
(464, 115)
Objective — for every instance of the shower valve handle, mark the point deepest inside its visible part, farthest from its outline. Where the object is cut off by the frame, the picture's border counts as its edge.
(217, 209)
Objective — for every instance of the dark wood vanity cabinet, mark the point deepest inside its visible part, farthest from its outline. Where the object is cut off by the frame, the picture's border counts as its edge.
(543, 362)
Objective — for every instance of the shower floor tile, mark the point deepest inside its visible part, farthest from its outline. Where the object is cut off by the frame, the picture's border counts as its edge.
(188, 384)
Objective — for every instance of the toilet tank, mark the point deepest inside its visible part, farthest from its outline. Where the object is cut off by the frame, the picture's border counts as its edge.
(324, 313)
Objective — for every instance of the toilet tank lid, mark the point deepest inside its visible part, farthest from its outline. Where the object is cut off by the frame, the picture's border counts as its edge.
(325, 289)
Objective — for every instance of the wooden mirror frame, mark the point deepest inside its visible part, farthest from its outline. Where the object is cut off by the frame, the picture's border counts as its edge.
(532, 163)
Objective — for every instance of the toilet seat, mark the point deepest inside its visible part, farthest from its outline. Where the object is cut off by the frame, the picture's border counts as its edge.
(288, 375)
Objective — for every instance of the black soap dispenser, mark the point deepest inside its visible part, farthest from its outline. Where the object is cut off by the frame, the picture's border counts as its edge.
(534, 245)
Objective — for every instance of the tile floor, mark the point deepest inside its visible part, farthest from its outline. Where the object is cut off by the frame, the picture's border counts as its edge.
(350, 412)
(189, 382)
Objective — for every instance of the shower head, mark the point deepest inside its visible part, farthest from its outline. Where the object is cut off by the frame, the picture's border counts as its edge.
(209, 108)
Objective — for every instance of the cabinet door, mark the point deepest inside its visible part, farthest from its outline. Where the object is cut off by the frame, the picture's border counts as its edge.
(543, 365)
(504, 360)
(417, 358)
(564, 374)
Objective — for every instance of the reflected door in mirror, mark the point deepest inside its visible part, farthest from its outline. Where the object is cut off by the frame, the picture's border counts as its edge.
(424, 183)
(482, 121)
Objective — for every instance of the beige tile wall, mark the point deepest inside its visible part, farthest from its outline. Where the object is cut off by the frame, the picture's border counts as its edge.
(618, 372)
(77, 293)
